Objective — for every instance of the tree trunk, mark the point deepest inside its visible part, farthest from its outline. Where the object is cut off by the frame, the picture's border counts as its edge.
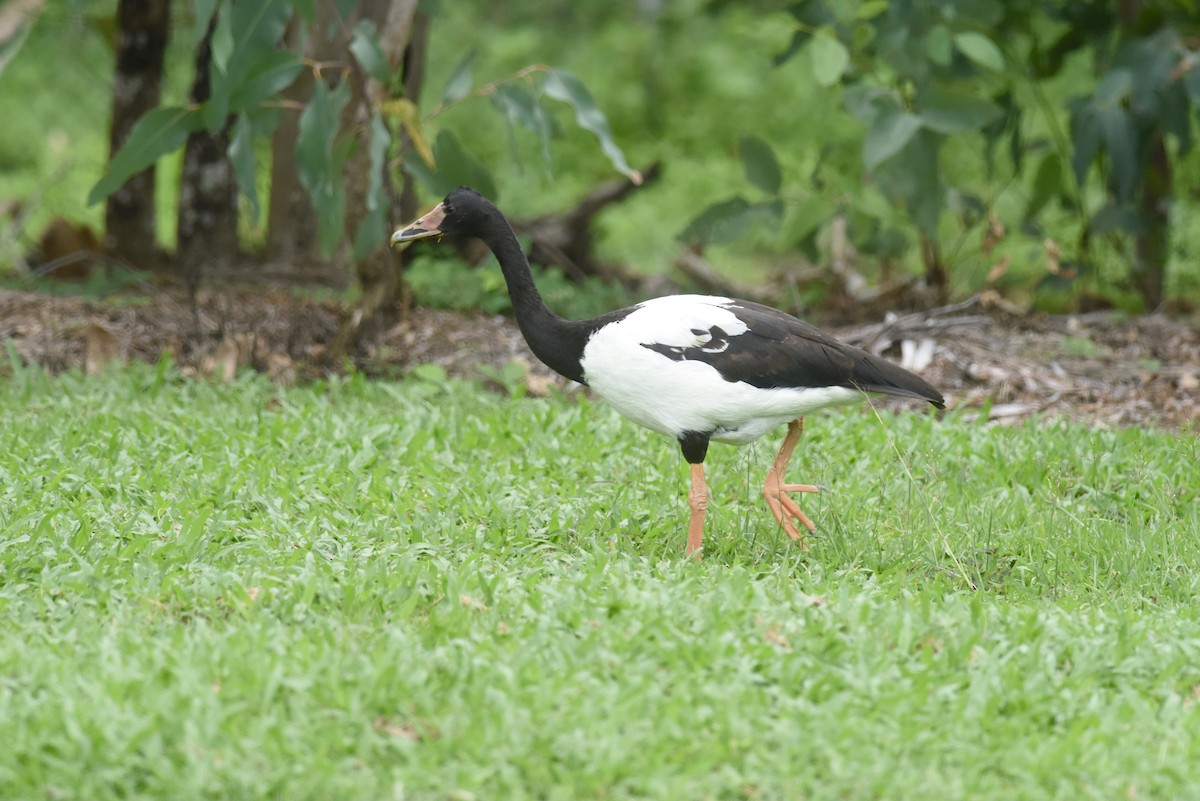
(129, 216)
(208, 222)
(379, 271)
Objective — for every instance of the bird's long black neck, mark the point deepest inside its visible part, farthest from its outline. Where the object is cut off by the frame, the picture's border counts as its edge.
(557, 342)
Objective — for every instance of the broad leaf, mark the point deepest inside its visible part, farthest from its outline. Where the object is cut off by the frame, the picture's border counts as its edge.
(519, 105)
(865, 101)
(980, 49)
(367, 52)
(307, 9)
(459, 85)
(1117, 216)
(320, 158)
(939, 46)
(1114, 88)
(758, 160)
(913, 179)
(268, 73)
(372, 230)
(245, 32)
(222, 40)
(889, 131)
(202, 14)
(729, 220)
(455, 167)
(241, 156)
(1086, 138)
(1120, 140)
(871, 9)
(1047, 183)
(950, 110)
(1175, 116)
(563, 86)
(829, 57)
(1191, 83)
(157, 133)
(806, 218)
(799, 37)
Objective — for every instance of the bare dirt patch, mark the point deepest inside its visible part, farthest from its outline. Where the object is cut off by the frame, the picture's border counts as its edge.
(1099, 367)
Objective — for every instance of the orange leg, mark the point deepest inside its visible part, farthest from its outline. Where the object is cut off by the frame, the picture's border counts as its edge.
(698, 502)
(774, 489)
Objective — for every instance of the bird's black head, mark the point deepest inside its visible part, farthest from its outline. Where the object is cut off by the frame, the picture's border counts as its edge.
(464, 212)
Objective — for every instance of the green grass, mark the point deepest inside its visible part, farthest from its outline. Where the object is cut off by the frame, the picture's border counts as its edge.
(420, 590)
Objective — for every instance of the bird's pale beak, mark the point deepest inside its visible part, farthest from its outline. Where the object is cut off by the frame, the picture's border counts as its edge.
(429, 225)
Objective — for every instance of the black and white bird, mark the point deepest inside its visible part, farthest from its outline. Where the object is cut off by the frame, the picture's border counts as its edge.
(695, 367)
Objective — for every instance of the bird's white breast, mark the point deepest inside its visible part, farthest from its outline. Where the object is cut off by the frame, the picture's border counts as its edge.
(673, 396)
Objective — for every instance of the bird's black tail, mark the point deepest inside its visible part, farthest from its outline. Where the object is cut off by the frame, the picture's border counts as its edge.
(873, 374)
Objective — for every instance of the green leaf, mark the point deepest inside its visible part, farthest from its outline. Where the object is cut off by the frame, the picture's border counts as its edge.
(939, 45)
(806, 217)
(1085, 138)
(563, 86)
(799, 37)
(268, 73)
(729, 220)
(1120, 140)
(865, 101)
(758, 160)
(1176, 116)
(241, 156)
(829, 57)
(1117, 216)
(222, 41)
(459, 85)
(522, 107)
(1114, 88)
(1047, 183)
(871, 9)
(377, 153)
(245, 33)
(307, 9)
(951, 110)
(372, 230)
(371, 233)
(1191, 83)
(367, 52)
(320, 158)
(157, 133)
(889, 131)
(455, 167)
(914, 179)
(980, 49)
(202, 14)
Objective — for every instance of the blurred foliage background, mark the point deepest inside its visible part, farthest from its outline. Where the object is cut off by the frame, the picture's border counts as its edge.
(922, 150)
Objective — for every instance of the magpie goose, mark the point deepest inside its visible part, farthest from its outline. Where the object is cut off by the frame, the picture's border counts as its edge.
(694, 367)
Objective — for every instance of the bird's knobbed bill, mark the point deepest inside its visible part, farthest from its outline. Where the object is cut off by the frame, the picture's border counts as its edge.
(429, 225)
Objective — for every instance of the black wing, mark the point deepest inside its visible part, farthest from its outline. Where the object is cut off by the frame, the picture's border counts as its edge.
(779, 350)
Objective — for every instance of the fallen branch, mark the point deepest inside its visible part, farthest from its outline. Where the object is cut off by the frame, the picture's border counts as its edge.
(880, 336)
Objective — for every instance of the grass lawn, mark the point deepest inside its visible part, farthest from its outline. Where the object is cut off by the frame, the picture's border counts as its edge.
(420, 590)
